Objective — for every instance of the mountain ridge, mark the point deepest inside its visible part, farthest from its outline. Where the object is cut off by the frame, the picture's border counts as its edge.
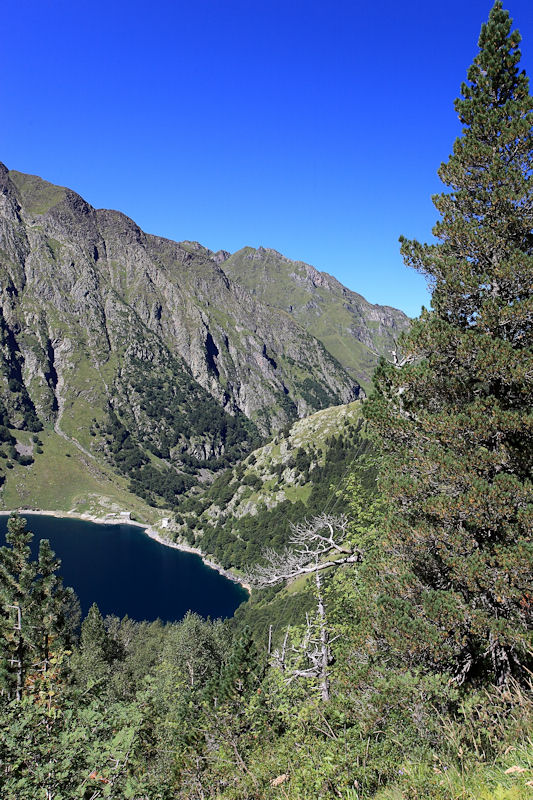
(140, 269)
(142, 351)
(355, 331)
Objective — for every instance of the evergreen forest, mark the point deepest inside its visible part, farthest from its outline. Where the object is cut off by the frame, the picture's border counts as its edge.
(386, 651)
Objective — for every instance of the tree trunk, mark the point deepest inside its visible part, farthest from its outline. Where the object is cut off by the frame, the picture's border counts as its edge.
(324, 645)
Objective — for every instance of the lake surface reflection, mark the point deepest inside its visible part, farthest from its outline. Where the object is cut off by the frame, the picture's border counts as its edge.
(125, 572)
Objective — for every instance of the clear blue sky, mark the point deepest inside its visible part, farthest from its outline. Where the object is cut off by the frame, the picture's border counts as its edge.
(315, 128)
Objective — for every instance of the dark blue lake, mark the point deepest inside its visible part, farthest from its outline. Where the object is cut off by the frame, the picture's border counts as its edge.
(125, 572)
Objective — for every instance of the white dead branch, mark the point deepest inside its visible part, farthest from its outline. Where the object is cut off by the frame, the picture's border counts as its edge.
(314, 545)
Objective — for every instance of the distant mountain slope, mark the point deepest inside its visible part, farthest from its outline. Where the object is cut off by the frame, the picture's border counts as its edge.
(100, 270)
(353, 330)
(139, 349)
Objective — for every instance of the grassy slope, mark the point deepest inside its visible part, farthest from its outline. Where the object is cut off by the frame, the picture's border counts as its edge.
(310, 431)
(64, 479)
(38, 195)
(282, 283)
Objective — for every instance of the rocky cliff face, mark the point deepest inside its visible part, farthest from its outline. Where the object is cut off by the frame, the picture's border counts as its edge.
(162, 360)
(85, 291)
(356, 332)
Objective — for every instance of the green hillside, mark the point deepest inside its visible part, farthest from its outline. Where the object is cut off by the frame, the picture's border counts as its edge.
(62, 478)
(252, 505)
(353, 330)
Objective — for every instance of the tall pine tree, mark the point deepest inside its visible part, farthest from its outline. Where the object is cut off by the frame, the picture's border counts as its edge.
(17, 573)
(37, 613)
(455, 415)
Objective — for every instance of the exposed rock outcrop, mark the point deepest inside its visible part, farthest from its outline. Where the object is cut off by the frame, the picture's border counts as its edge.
(83, 289)
(356, 332)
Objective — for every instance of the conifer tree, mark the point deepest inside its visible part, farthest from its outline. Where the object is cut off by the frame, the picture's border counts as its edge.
(91, 662)
(17, 573)
(35, 608)
(455, 413)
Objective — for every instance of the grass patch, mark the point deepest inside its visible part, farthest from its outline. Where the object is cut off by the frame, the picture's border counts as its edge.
(295, 493)
(64, 479)
(38, 196)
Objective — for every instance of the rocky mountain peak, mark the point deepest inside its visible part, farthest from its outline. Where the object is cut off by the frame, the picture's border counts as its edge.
(353, 330)
(104, 292)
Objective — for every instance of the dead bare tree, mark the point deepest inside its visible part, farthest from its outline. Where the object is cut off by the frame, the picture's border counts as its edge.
(314, 545)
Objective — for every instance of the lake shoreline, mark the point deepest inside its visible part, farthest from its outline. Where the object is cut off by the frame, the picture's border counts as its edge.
(195, 551)
(147, 529)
